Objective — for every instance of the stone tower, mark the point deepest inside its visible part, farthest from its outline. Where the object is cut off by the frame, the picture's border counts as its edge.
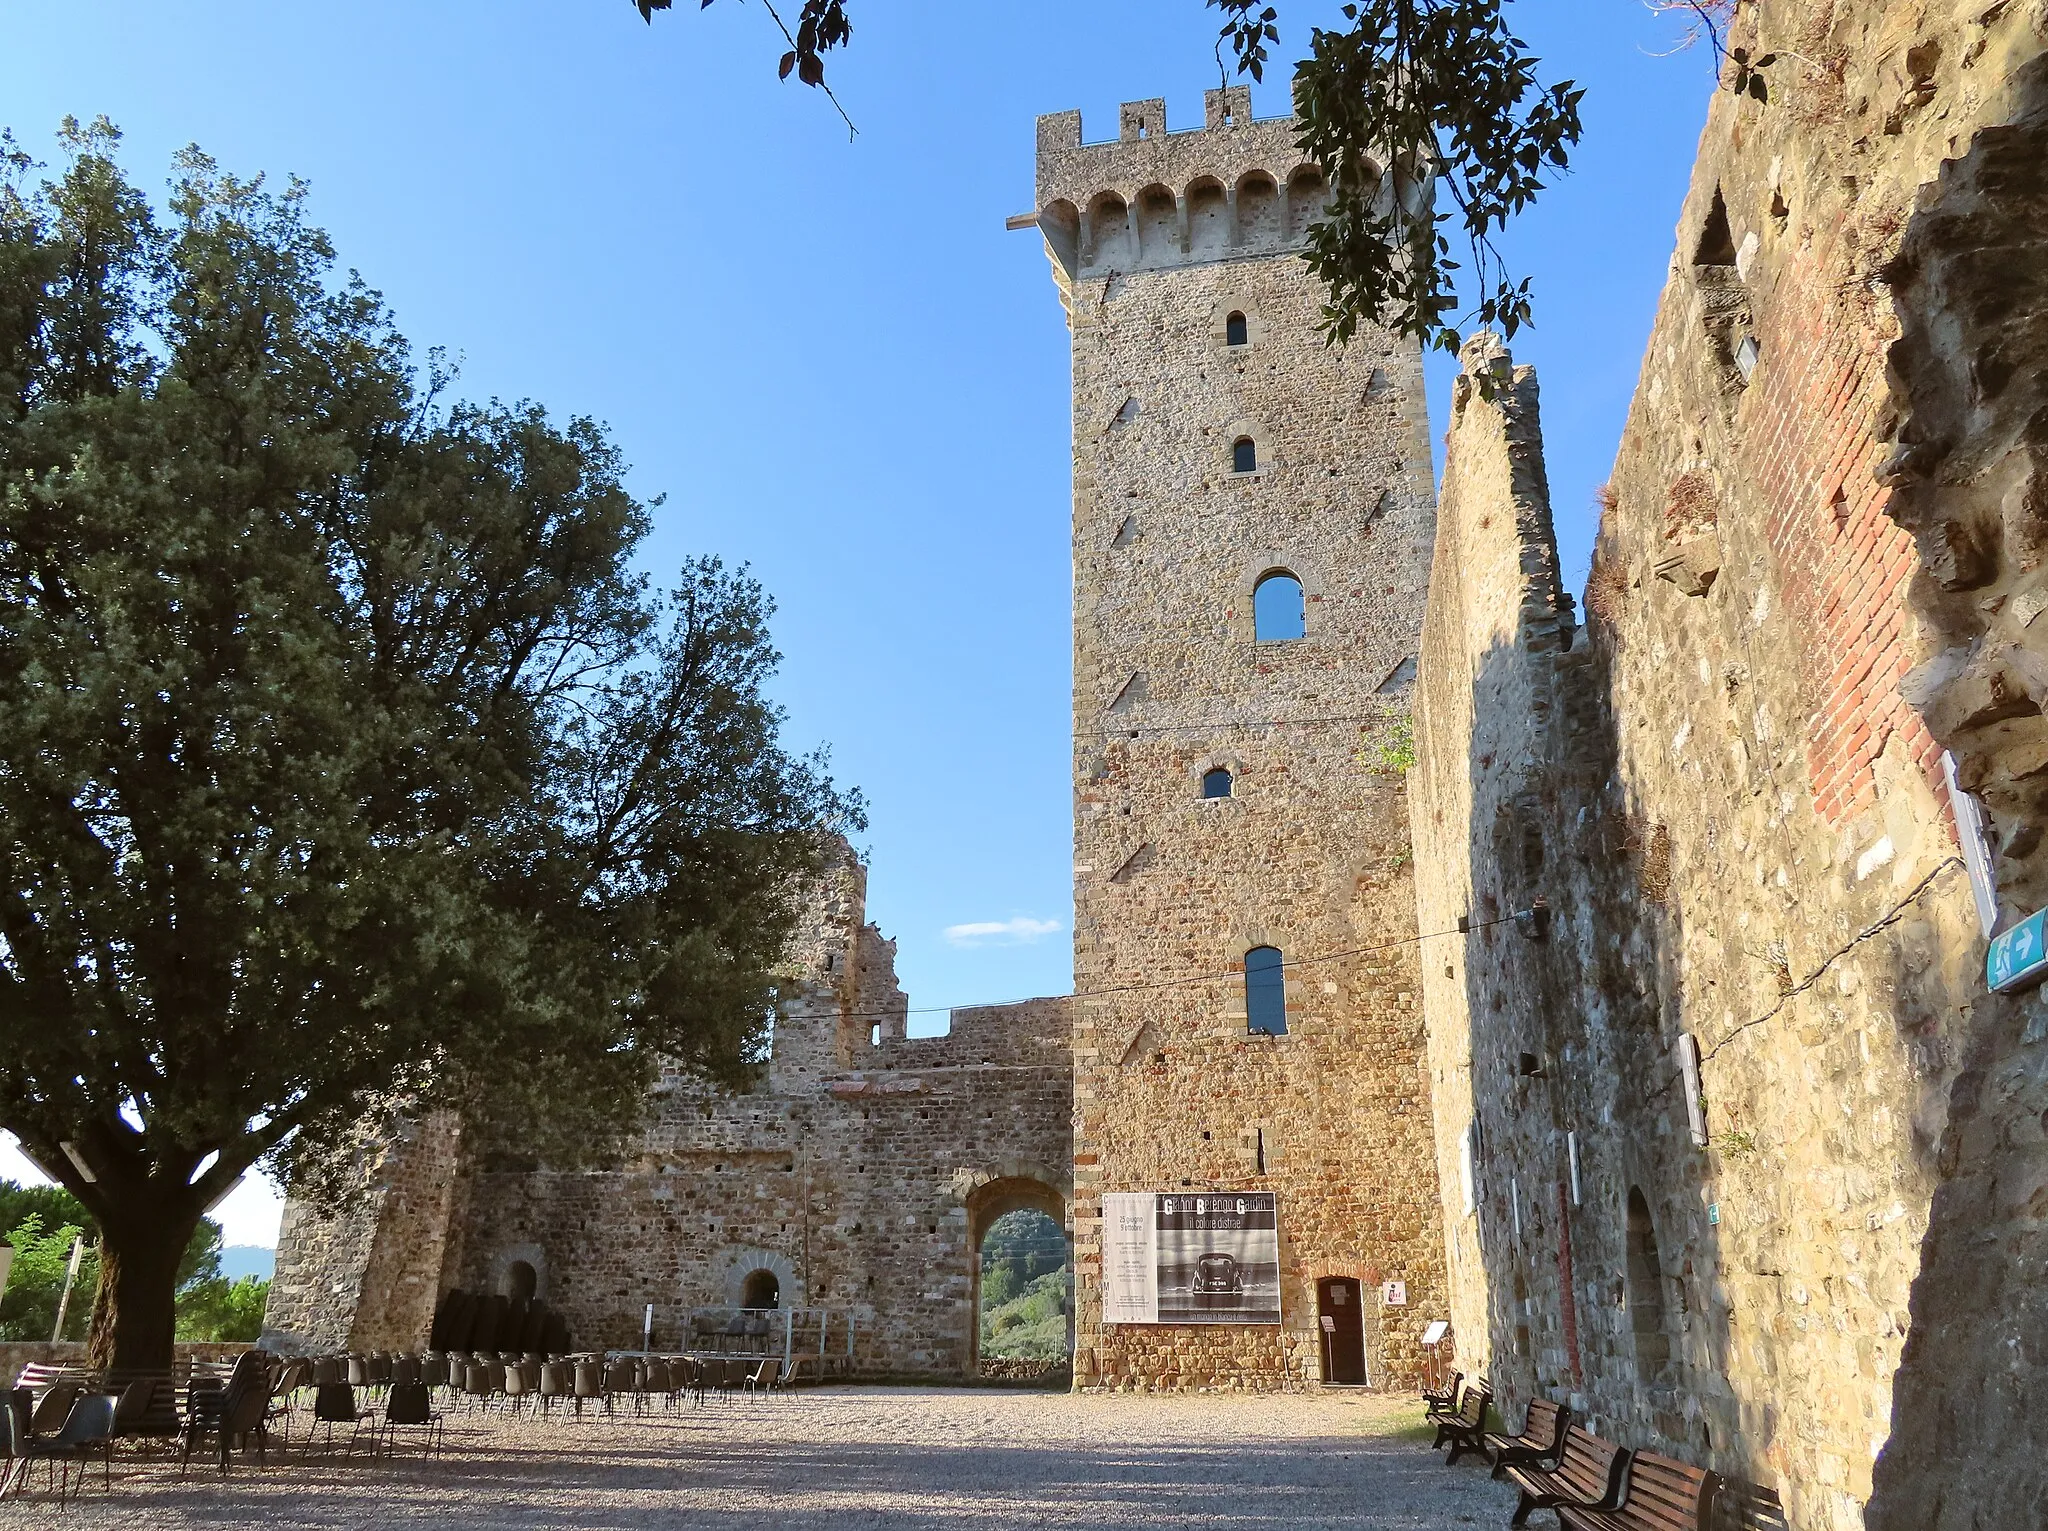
(1253, 518)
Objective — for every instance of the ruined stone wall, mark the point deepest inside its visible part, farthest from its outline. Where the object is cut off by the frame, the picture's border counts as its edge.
(366, 1277)
(1729, 789)
(860, 1171)
(1157, 240)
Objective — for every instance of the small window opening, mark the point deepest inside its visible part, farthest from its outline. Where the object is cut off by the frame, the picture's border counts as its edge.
(1234, 330)
(761, 1290)
(1265, 992)
(1717, 240)
(1216, 783)
(1646, 1288)
(521, 1281)
(1262, 1149)
(1277, 611)
(875, 1035)
(1244, 455)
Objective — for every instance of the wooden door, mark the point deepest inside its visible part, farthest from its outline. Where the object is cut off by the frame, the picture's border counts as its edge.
(1341, 1312)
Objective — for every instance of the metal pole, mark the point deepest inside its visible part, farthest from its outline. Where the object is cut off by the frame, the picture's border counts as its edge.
(70, 1275)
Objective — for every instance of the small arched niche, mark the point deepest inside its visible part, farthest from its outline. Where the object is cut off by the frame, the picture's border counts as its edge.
(521, 1281)
(1236, 329)
(1106, 239)
(1279, 614)
(1258, 209)
(1217, 782)
(1244, 455)
(1307, 195)
(761, 1289)
(1646, 1289)
(1060, 222)
(1208, 217)
(1158, 225)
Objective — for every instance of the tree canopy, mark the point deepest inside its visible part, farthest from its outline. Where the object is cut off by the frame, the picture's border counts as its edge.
(346, 763)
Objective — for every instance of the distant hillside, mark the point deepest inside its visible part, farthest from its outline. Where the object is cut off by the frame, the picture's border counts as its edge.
(239, 1260)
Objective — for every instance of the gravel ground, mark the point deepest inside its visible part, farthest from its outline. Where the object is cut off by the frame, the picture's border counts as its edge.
(913, 1458)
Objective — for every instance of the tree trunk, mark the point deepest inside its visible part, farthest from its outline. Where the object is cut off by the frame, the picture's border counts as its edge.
(134, 1313)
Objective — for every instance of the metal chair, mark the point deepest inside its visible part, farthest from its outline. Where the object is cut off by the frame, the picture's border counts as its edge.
(53, 1408)
(88, 1428)
(410, 1407)
(334, 1403)
(557, 1380)
(589, 1382)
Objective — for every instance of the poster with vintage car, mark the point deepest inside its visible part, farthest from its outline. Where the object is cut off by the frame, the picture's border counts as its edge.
(1191, 1257)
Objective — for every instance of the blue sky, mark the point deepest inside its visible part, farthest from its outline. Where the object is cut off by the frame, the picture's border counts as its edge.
(830, 356)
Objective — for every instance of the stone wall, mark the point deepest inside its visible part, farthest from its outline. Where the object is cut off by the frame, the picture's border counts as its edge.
(1813, 573)
(1157, 240)
(861, 1172)
(367, 1276)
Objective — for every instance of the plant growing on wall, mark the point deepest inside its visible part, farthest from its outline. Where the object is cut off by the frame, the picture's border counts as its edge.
(344, 761)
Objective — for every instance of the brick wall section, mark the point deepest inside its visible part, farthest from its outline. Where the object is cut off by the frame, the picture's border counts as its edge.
(1309, 853)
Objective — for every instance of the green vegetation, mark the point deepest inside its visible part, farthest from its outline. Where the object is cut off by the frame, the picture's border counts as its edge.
(44, 1221)
(1397, 750)
(348, 765)
(1027, 1289)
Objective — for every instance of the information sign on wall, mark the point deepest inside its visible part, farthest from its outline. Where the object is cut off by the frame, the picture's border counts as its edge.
(1190, 1257)
(2018, 958)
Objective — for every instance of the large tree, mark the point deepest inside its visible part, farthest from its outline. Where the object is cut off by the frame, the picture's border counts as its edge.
(345, 763)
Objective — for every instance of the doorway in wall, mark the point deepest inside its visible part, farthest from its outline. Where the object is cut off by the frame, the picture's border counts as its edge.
(1340, 1310)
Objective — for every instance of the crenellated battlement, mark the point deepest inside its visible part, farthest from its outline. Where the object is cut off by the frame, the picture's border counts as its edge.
(1236, 186)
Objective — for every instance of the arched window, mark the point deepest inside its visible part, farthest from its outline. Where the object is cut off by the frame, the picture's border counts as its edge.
(1234, 330)
(1244, 456)
(1216, 783)
(1265, 992)
(1277, 612)
(1646, 1289)
(521, 1281)
(761, 1290)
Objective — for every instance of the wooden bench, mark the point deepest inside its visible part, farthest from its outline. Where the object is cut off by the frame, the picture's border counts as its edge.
(1444, 1400)
(1587, 1475)
(1740, 1506)
(1465, 1429)
(1541, 1440)
(1661, 1494)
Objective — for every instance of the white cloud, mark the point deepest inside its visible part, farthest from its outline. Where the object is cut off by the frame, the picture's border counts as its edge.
(1020, 931)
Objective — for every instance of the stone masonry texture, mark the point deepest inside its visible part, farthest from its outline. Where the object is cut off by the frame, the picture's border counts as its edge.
(1157, 239)
(1816, 570)
(861, 1172)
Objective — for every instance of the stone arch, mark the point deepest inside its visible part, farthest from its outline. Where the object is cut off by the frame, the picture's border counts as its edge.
(1158, 225)
(1244, 428)
(734, 1264)
(1307, 195)
(1215, 760)
(1236, 301)
(503, 1270)
(1106, 234)
(990, 1194)
(1060, 222)
(1645, 1274)
(1208, 216)
(1258, 210)
(1305, 568)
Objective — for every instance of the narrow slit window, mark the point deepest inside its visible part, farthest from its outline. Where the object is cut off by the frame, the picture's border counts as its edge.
(1244, 455)
(1235, 332)
(1216, 783)
(1265, 992)
(1277, 611)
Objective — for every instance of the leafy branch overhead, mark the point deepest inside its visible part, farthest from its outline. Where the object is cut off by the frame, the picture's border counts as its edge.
(1412, 105)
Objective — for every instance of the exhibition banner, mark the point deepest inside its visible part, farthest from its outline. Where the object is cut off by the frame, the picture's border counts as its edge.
(1190, 1257)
